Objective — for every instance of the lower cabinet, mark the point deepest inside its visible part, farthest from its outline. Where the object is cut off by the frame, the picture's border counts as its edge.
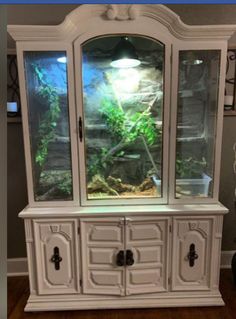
(114, 257)
(192, 253)
(57, 248)
(124, 256)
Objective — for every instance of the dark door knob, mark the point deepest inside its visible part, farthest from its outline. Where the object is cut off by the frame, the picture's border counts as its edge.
(192, 255)
(120, 258)
(56, 258)
(129, 257)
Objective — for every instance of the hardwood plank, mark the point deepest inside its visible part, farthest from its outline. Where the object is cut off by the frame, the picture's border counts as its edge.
(18, 293)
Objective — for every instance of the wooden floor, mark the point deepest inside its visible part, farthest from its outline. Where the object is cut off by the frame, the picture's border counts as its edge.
(18, 293)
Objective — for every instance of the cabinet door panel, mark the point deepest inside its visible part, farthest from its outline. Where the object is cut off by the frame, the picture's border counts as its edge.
(102, 240)
(148, 239)
(196, 234)
(54, 237)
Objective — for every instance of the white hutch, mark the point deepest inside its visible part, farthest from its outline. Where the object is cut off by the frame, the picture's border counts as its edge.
(122, 110)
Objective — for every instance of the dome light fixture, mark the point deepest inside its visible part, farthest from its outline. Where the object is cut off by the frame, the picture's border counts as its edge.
(124, 55)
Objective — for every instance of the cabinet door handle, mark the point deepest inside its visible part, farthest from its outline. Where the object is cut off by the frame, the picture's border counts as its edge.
(120, 258)
(56, 258)
(80, 129)
(129, 260)
(192, 255)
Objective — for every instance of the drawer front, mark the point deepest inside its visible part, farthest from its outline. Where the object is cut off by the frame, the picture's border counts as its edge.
(148, 239)
(56, 248)
(102, 239)
(192, 242)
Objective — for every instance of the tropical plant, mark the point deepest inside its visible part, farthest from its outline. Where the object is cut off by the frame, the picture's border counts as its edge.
(48, 122)
(126, 130)
(190, 167)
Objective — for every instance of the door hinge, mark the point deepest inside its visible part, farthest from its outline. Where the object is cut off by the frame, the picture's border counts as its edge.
(78, 231)
(170, 228)
(80, 282)
(169, 281)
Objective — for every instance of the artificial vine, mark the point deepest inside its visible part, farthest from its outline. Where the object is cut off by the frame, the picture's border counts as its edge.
(48, 122)
(190, 167)
(127, 130)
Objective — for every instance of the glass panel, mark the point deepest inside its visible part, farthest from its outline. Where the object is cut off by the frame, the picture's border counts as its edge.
(196, 122)
(46, 87)
(123, 106)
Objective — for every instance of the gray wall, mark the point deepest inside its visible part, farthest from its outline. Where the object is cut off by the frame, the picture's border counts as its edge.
(17, 194)
(228, 183)
(16, 190)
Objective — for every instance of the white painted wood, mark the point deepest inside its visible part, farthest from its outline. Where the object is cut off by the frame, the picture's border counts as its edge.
(148, 239)
(165, 300)
(31, 255)
(216, 251)
(109, 211)
(102, 239)
(197, 231)
(48, 235)
(19, 267)
(84, 14)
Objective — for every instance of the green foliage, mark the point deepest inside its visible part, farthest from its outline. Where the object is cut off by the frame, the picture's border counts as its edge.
(190, 167)
(115, 118)
(66, 184)
(129, 129)
(48, 122)
(97, 164)
(144, 125)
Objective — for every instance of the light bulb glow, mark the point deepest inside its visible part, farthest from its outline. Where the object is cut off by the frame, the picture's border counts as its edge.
(125, 63)
(192, 62)
(62, 59)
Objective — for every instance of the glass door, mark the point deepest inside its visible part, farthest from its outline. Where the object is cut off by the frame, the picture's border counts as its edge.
(197, 111)
(49, 131)
(123, 98)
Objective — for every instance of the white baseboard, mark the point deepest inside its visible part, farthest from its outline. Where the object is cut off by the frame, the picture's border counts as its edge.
(19, 266)
(226, 257)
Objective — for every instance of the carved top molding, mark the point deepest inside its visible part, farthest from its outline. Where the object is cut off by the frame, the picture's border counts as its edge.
(79, 20)
(122, 12)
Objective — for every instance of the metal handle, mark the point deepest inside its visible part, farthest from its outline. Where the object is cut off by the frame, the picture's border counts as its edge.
(129, 257)
(192, 255)
(120, 258)
(80, 129)
(56, 258)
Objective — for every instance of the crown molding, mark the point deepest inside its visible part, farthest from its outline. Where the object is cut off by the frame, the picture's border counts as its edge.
(76, 22)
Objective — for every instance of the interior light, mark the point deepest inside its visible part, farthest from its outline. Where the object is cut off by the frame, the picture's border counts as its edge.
(125, 63)
(124, 55)
(192, 62)
(62, 59)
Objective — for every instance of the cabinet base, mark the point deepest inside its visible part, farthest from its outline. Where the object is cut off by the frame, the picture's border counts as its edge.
(56, 304)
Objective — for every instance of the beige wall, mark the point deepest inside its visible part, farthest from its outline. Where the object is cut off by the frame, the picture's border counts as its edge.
(17, 196)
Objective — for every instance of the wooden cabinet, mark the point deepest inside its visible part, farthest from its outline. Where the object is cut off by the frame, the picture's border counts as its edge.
(192, 242)
(122, 158)
(101, 242)
(56, 247)
(143, 242)
(148, 239)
